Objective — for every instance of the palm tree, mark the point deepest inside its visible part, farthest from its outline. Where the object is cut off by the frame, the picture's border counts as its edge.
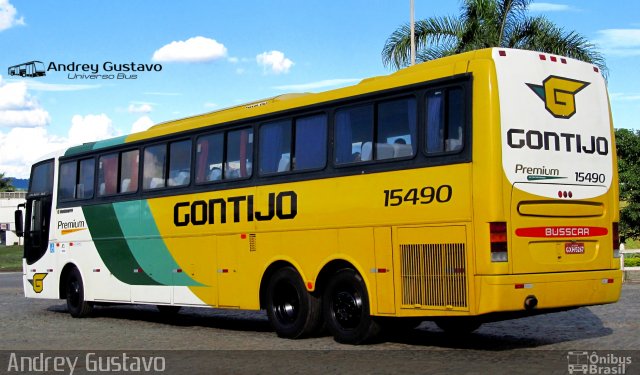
(483, 24)
(5, 183)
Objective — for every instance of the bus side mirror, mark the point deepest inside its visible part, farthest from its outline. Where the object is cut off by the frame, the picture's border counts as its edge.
(19, 219)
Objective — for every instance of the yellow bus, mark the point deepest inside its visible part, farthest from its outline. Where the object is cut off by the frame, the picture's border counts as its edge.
(468, 189)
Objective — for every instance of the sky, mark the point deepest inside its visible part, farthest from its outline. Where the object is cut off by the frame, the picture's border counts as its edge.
(202, 56)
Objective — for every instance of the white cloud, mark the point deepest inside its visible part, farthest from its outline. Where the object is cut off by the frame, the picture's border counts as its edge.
(319, 84)
(18, 108)
(548, 7)
(142, 124)
(197, 49)
(41, 86)
(274, 61)
(619, 42)
(17, 155)
(91, 128)
(211, 105)
(8, 16)
(624, 97)
(142, 108)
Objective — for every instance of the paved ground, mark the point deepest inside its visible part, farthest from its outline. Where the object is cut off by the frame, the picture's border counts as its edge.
(243, 342)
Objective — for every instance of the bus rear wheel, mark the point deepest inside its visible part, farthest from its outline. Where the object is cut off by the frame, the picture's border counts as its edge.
(76, 304)
(346, 309)
(293, 312)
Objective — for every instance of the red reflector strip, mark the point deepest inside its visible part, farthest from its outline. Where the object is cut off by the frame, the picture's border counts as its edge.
(224, 270)
(502, 53)
(563, 60)
(243, 236)
(595, 69)
(553, 58)
(543, 57)
(70, 243)
(33, 270)
(379, 270)
(49, 269)
(137, 270)
(607, 281)
(96, 270)
(179, 270)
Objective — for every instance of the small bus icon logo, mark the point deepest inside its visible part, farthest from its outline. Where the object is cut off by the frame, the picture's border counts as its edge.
(29, 69)
(578, 362)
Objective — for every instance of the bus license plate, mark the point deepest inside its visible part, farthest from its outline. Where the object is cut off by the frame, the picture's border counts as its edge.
(574, 248)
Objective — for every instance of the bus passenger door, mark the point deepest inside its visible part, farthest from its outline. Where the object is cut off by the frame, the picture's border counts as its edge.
(227, 270)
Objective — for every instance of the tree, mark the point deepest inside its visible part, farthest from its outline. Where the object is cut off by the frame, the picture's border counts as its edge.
(484, 24)
(6, 184)
(628, 149)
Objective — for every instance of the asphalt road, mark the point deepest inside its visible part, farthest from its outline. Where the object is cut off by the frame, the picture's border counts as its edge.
(224, 341)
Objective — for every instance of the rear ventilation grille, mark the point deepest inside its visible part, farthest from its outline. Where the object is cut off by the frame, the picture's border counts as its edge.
(434, 276)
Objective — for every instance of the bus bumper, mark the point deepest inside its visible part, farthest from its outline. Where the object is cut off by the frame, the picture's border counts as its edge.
(551, 290)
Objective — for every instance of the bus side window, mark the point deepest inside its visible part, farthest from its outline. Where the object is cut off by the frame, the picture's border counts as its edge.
(85, 179)
(209, 152)
(354, 134)
(179, 163)
(154, 167)
(129, 171)
(67, 186)
(239, 154)
(396, 129)
(275, 147)
(310, 143)
(108, 174)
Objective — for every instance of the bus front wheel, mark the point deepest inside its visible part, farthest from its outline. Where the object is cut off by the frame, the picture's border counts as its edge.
(293, 312)
(346, 309)
(77, 306)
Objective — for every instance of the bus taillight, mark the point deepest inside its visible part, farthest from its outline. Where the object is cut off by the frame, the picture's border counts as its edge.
(616, 240)
(498, 238)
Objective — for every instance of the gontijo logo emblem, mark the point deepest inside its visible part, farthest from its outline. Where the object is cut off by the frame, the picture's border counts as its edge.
(559, 95)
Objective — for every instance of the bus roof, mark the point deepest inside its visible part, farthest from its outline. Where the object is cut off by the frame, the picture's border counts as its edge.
(443, 67)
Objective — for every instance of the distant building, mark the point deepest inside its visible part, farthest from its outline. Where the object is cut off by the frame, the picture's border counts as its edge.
(9, 201)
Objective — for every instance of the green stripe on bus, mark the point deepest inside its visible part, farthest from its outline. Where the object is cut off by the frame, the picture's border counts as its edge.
(112, 247)
(75, 150)
(90, 146)
(109, 142)
(146, 244)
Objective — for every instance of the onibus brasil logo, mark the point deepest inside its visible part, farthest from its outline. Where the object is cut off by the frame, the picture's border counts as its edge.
(559, 95)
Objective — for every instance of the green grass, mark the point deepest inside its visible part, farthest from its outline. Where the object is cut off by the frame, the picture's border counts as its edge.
(10, 258)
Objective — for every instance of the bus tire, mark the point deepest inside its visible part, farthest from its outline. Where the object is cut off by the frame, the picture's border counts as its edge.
(458, 325)
(346, 309)
(293, 312)
(76, 305)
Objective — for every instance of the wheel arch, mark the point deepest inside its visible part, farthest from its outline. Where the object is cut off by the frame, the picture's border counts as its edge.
(268, 273)
(64, 275)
